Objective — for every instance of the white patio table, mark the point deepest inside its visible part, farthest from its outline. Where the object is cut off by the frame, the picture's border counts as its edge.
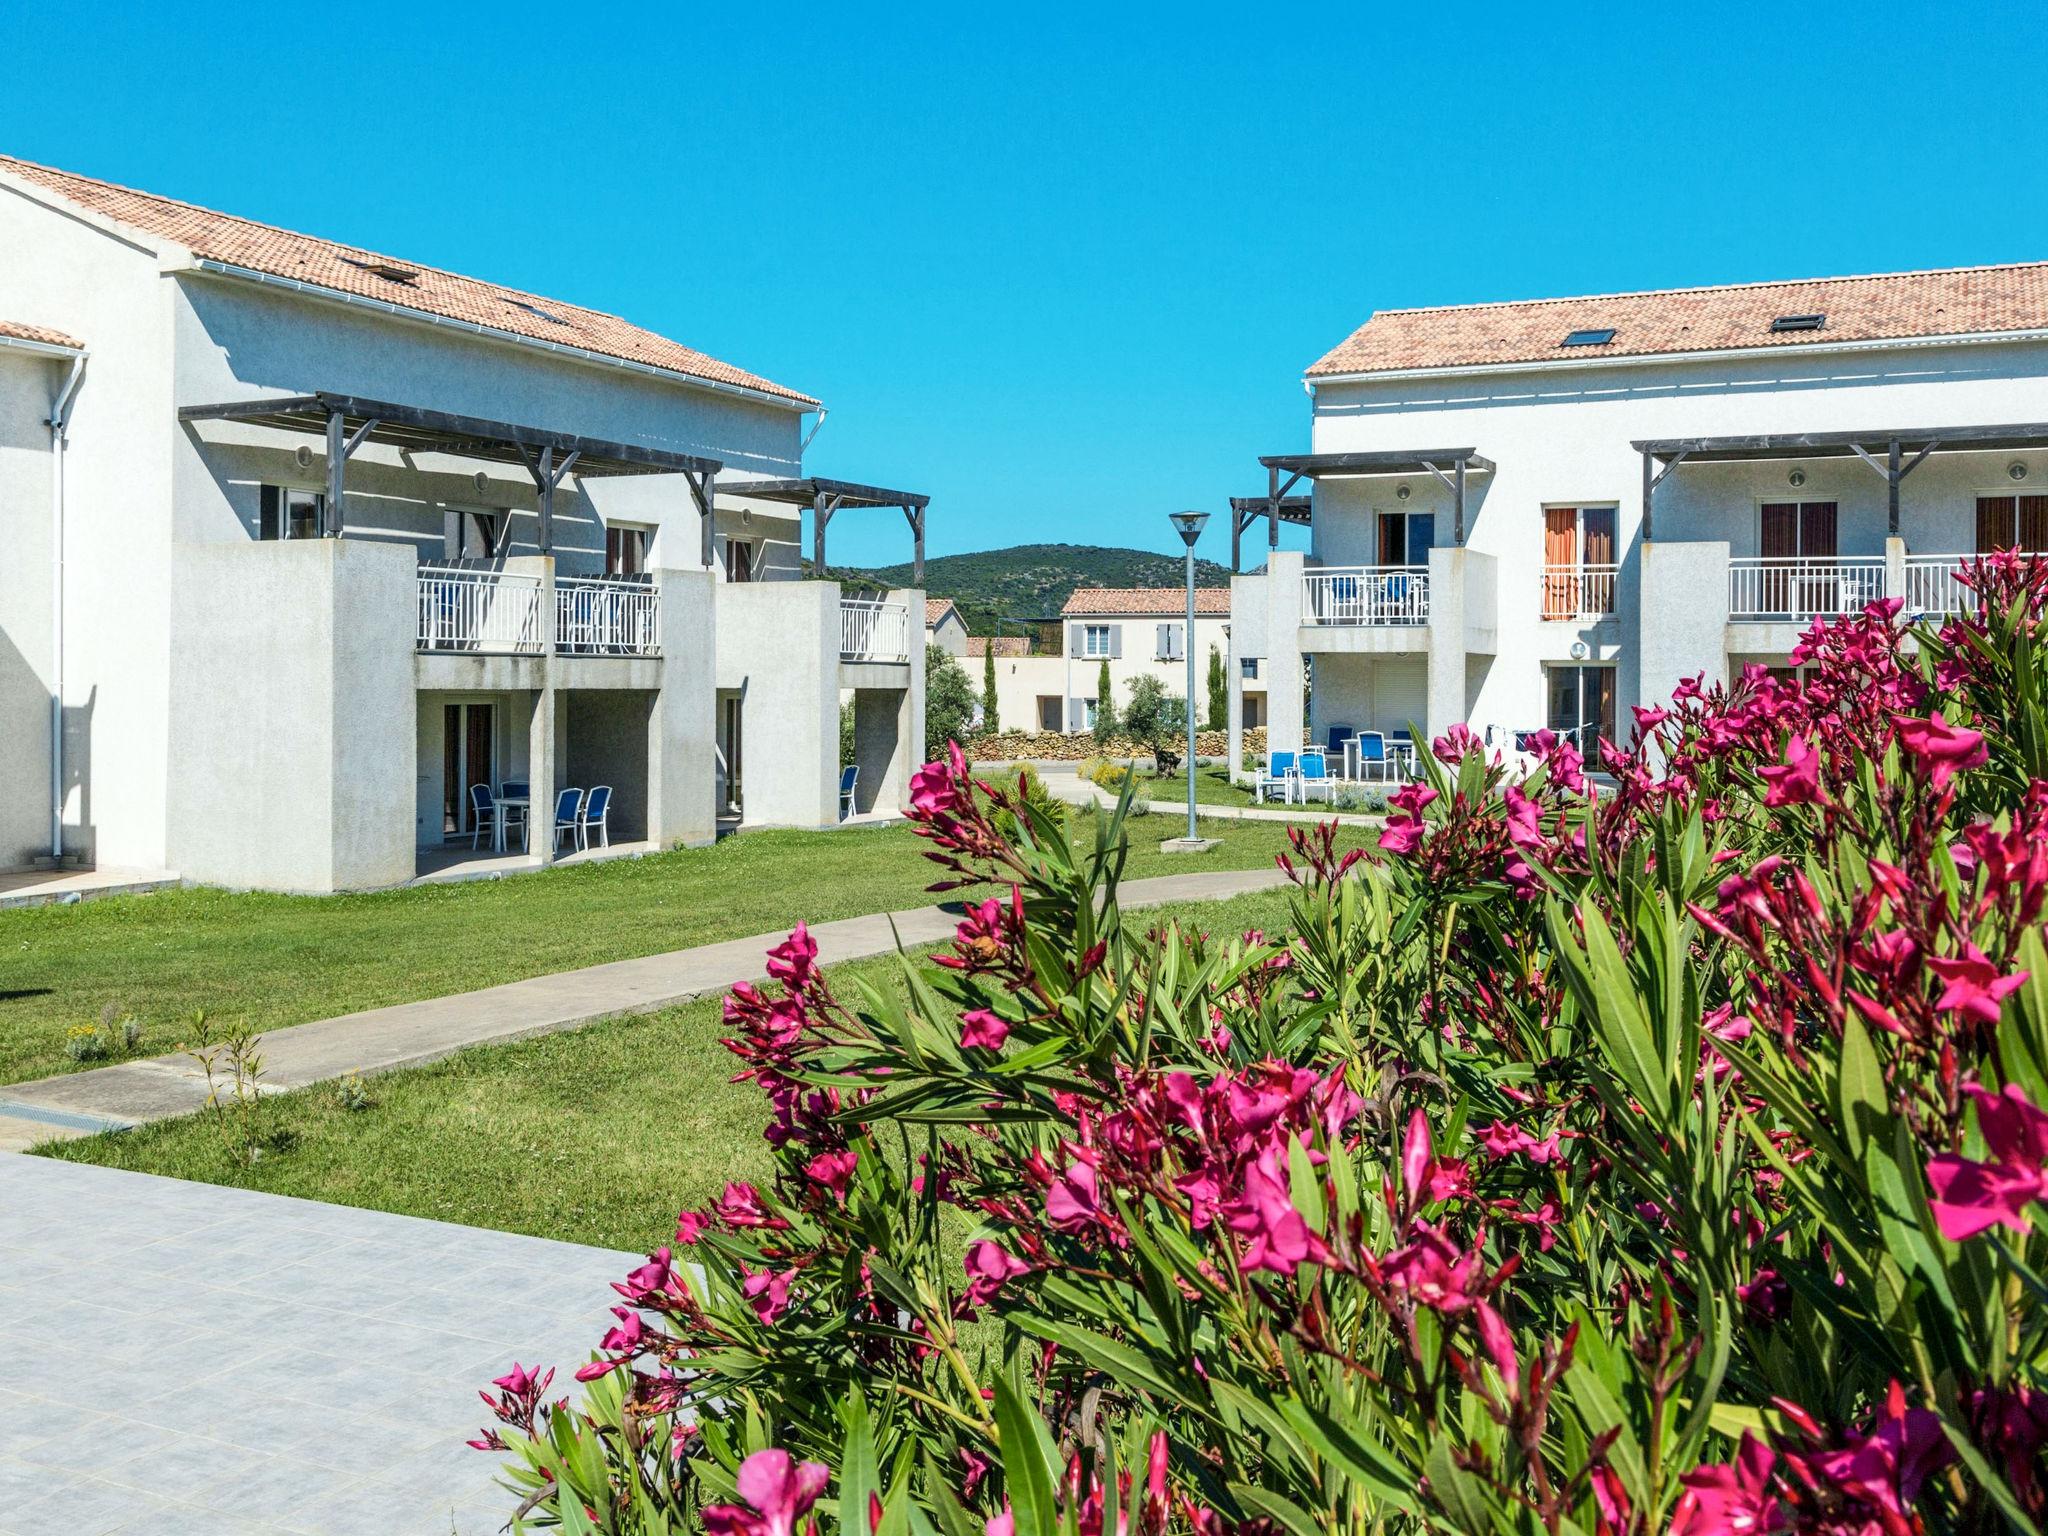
(506, 803)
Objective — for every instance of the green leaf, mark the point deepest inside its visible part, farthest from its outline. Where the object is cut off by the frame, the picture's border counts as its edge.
(1859, 1087)
(1283, 1511)
(1026, 1476)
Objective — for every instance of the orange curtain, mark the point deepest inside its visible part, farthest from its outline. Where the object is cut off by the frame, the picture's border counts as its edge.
(1560, 559)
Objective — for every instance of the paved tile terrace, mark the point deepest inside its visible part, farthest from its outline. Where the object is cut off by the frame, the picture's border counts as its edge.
(410, 1034)
(186, 1358)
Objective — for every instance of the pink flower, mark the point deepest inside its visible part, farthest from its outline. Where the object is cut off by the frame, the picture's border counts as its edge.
(1798, 782)
(1071, 1204)
(1499, 1344)
(1941, 747)
(1433, 1273)
(766, 1293)
(793, 962)
(988, 1265)
(834, 1170)
(1264, 1212)
(981, 1028)
(1503, 1140)
(940, 788)
(1969, 1196)
(1975, 988)
(779, 1490)
(1004, 1524)
(1734, 1498)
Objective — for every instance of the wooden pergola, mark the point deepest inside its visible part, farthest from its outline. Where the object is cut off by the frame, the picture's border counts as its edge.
(1894, 453)
(1284, 471)
(349, 421)
(825, 497)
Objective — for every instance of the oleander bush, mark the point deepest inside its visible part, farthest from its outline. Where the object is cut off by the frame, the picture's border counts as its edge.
(1667, 1159)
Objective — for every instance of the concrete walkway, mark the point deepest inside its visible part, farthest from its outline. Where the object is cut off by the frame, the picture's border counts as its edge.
(190, 1360)
(409, 1034)
(42, 887)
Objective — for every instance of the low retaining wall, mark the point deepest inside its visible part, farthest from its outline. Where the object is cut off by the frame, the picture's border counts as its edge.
(1069, 747)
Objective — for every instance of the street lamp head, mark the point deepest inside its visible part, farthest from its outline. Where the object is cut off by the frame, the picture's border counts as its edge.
(1189, 525)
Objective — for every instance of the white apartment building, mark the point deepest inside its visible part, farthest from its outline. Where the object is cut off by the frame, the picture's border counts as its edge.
(1139, 631)
(1541, 513)
(304, 541)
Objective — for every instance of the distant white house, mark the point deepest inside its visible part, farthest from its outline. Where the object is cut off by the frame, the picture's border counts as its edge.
(1538, 514)
(944, 627)
(321, 542)
(1139, 631)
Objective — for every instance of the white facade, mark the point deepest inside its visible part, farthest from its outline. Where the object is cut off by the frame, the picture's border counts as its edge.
(272, 711)
(1059, 693)
(1490, 632)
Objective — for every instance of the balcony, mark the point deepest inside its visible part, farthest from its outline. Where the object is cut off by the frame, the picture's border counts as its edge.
(871, 629)
(1777, 589)
(1363, 596)
(606, 616)
(1578, 593)
(1932, 588)
(508, 613)
(491, 612)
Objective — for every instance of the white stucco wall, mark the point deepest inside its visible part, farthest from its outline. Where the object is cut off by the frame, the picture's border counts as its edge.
(27, 384)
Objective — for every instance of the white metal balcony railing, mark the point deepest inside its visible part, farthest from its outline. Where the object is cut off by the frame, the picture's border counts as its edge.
(1805, 587)
(466, 610)
(606, 616)
(1932, 587)
(1366, 595)
(1578, 591)
(872, 630)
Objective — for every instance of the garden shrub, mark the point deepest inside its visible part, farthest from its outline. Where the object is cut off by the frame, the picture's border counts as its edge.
(1672, 1159)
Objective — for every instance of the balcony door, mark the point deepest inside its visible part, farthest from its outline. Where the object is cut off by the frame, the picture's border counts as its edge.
(468, 756)
(1582, 707)
(1797, 542)
(2012, 522)
(1578, 561)
(1406, 538)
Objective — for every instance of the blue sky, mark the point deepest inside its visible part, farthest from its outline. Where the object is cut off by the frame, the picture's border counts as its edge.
(1064, 271)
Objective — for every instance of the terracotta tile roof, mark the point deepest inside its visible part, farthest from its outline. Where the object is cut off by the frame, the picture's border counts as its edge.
(1901, 305)
(352, 270)
(1210, 602)
(1006, 645)
(17, 331)
(935, 609)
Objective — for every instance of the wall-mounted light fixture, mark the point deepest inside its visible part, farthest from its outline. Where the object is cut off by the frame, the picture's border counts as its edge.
(1578, 650)
(480, 480)
(1400, 493)
(1796, 479)
(2016, 470)
(303, 456)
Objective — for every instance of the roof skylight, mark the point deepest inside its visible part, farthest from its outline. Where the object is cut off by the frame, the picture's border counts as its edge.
(1799, 322)
(390, 271)
(1588, 338)
(535, 309)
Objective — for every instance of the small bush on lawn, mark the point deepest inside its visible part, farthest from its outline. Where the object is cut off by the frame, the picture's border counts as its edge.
(1670, 1160)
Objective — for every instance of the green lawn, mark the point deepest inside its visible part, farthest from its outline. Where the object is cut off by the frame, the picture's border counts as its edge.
(270, 960)
(1212, 787)
(596, 1136)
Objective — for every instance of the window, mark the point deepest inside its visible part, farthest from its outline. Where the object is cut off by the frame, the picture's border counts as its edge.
(2012, 522)
(739, 560)
(1578, 562)
(1582, 707)
(1248, 666)
(475, 534)
(1087, 714)
(1170, 643)
(1588, 338)
(290, 514)
(1799, 322)
(1099, 640)
(625, 551)
(1048, 712)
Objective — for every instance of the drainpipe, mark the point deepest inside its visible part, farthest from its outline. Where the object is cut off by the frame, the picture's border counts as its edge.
(60, 418)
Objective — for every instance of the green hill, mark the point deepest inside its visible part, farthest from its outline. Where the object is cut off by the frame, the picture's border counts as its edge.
(1034, 581)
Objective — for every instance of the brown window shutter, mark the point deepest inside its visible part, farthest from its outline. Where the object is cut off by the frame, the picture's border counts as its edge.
(1995, 520)
(2033, 529)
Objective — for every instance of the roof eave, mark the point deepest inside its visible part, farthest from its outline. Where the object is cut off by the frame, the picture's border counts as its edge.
(1313, 380)
(208, 266)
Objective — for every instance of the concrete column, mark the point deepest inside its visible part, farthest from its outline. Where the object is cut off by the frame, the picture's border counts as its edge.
(1684, 616)
(910, 725)
(1463, 600)
(682, 770)
(543, 769)
(778, 644)
(1233, 683)
(1283, 664)
(1895, 567)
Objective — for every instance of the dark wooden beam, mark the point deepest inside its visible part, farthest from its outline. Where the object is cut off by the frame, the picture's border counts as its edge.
(916, 516)
(1458, 497)
(337, 471)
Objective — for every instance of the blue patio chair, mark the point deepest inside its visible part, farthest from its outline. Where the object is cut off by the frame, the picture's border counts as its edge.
(1279, 771)
(483, 812)
(1315, 775)
(568, 808)
(1372, 755)
(597, 807)
(1336, 736)
(849, 776)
